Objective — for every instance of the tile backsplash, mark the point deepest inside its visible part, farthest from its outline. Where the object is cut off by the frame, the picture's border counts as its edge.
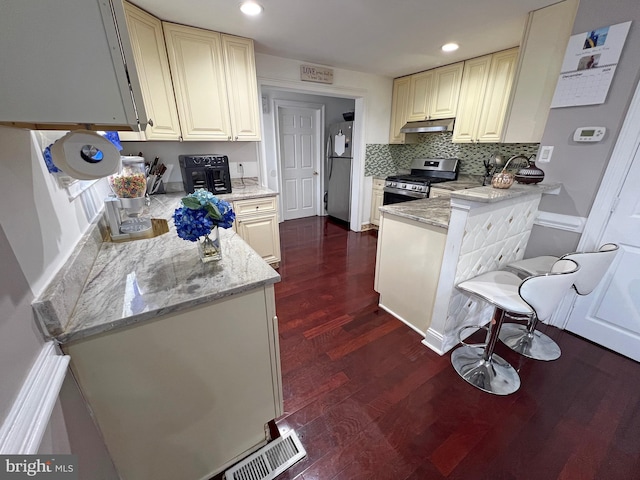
(383, 160)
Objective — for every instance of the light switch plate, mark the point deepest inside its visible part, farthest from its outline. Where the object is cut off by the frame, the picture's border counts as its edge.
(545, 154)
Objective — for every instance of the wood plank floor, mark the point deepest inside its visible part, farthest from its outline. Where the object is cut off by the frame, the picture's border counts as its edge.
(368, 401)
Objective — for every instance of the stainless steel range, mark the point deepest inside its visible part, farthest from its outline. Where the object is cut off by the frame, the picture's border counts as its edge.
(424, 173)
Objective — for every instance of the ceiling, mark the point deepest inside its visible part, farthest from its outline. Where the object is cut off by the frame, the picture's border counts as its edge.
(384, 37)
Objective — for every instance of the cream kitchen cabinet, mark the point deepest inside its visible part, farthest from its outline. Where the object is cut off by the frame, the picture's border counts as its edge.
(376, 200)
(242, 87)
(189, 393)
(484, 97)
(433, 94)
(399, 105)
(68, 65)
(150, 55)
(542, 51)
(215, 84)
(257, 224)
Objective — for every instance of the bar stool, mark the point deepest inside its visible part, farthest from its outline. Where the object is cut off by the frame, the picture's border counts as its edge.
(537, 295)
(525, 339)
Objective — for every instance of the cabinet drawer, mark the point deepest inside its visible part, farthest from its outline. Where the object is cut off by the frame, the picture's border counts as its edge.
(257, 205)
(378, 183)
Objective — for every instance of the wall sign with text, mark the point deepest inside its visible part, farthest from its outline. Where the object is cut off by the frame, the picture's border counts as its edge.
(310, 73)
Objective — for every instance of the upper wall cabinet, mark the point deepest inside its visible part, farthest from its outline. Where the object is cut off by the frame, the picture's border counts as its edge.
(62, 68)
(215, 83)
(484, 97)
(152, 64)
(542, 51)
(434, 94)
(242, 87)
(399, 104)
(197, 71)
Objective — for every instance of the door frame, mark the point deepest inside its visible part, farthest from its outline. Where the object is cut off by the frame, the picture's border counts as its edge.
(607, 197)
(319, 119)
(358, 95)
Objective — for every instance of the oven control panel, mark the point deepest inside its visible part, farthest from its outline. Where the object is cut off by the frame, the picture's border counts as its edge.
(407, 186)
(203, 160)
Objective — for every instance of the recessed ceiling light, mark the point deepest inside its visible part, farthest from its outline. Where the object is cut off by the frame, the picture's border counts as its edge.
(450, 47)
(251, 8)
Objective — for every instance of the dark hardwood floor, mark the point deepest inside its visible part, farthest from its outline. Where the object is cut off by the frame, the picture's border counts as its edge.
(368, 401)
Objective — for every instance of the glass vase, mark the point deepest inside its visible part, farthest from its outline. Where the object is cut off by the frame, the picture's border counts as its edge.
(209, 246)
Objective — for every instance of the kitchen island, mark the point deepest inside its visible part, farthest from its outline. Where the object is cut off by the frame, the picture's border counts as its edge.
(426, 247)
(178, 360)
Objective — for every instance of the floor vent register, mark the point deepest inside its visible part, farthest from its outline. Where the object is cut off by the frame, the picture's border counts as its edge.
(270, 461)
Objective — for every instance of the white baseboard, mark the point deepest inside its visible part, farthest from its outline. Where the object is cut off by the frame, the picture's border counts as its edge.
(24, 427)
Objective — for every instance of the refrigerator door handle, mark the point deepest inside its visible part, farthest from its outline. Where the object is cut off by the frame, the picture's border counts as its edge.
(329, 156)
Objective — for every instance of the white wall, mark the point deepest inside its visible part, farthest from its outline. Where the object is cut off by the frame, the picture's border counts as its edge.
(581, 166)
(39, 227)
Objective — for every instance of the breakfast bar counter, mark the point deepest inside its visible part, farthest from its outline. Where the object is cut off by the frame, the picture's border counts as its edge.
(426, 247)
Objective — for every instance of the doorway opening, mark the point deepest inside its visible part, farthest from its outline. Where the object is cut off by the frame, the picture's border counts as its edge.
(294, 147)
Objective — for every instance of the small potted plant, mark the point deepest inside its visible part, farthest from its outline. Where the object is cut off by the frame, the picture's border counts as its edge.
(198, 220)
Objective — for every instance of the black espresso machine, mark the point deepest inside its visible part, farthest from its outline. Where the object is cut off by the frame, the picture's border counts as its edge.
(210, 172)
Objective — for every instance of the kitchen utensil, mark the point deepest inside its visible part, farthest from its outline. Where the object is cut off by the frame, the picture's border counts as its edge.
(530, 174)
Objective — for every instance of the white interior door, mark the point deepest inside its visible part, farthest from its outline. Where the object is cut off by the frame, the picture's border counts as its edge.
(300, 153)
(610, 316)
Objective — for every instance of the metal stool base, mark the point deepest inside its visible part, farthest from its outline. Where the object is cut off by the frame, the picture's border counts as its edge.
(537, 345)
(493, 376)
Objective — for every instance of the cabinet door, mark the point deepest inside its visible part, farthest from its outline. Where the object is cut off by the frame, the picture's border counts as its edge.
(446, 90)
(376, 203)
(399, 106)
(541, 55)
(150, 55)
(197, 71)
(496, 98)
(242, 87)
(420, 87)
(474, 84)
(262, 234)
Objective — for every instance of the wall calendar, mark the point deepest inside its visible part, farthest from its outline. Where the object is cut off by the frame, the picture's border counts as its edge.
(589, 65)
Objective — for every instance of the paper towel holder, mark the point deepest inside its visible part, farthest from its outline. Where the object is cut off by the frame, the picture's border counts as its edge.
(85, 155)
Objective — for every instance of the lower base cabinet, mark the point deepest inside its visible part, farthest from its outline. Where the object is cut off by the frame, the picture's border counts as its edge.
(377, 198)
(408, 261)
(188, 394)
(257, 224)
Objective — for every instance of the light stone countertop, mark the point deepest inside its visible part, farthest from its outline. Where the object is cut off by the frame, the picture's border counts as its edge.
(489, 194)
(135, 281)
(464, 181)
(437, 211)
(431, 211)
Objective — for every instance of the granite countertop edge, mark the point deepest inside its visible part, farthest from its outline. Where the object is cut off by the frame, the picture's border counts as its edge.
(430, 211)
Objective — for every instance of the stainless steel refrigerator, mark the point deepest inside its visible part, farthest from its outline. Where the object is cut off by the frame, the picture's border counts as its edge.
(338, 170)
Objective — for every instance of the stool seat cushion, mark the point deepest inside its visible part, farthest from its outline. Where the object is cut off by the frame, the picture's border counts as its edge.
(499, 288)
(535, 265)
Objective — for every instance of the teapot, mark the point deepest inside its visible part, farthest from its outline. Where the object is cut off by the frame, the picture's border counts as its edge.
(530, 174)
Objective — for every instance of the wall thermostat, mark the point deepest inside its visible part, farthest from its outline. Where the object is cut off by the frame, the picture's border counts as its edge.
(589, 134)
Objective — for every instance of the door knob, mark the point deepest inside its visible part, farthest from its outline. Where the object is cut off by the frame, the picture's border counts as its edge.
(315, 173)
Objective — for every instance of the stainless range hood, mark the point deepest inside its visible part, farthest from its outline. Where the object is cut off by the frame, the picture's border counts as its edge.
(428, 126)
